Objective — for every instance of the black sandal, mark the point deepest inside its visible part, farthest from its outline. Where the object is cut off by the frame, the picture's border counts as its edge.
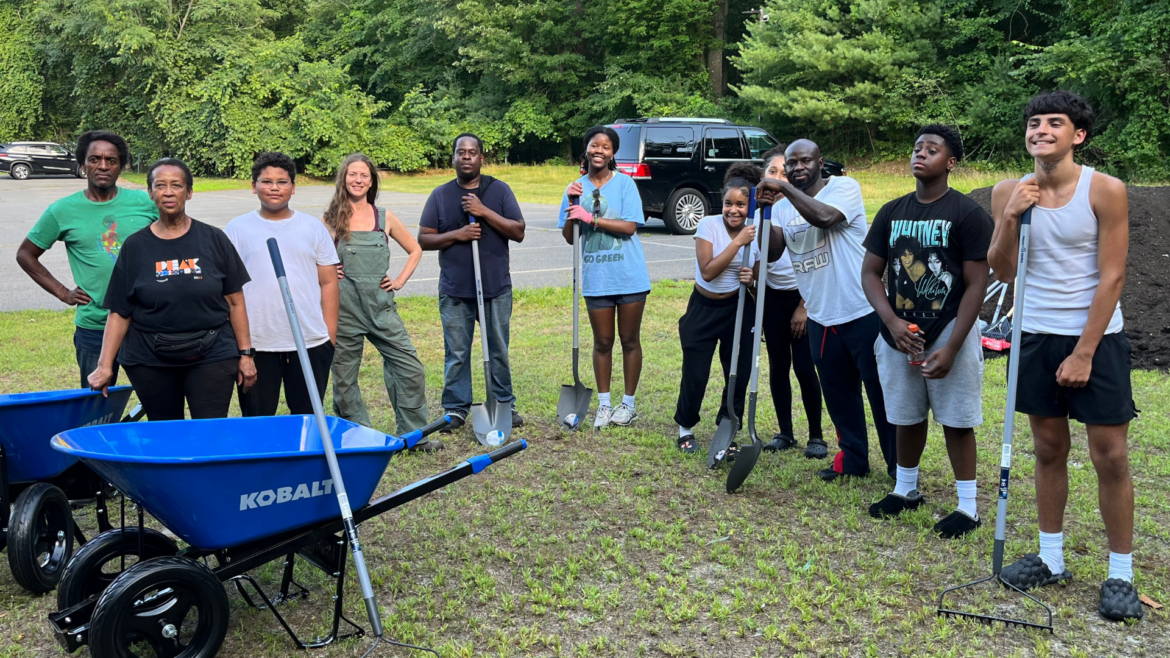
(730, 454)
(688, 444)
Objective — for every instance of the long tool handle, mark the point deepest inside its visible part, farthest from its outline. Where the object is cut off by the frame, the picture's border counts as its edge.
(479, 301)
(1009, 418)
(733, 375)
(576, 298)
(761, 290)
(359, 560)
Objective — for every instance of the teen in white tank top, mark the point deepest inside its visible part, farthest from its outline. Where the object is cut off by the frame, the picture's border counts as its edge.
(1062, 274)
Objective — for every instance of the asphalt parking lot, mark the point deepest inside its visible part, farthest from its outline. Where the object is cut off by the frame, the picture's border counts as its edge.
(543, 259)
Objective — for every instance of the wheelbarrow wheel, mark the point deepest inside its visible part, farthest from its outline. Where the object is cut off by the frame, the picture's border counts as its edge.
(99, 562)
(167, 606)
(40, 537)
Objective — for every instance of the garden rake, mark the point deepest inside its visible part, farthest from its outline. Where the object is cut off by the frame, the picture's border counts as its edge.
(1005, 466)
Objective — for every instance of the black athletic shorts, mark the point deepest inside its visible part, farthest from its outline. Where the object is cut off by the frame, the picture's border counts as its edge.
(1106, 400)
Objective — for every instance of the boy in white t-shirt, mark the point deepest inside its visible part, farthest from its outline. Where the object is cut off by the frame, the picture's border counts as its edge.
(821, 223)
(310, 262)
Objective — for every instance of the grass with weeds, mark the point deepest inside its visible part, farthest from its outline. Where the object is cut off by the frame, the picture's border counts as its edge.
(615, 544)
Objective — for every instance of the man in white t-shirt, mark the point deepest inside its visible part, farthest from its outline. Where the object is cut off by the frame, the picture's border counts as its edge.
(821, 223)
(310, 263)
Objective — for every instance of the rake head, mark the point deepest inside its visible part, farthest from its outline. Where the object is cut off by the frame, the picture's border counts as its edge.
(989, 619)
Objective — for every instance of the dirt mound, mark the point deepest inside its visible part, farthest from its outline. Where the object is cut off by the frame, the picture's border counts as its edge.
(1145, 301)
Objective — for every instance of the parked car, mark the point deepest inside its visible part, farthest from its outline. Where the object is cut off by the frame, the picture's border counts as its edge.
(679, 163)
(24, 159)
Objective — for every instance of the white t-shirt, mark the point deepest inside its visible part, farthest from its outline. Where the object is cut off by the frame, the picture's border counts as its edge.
(713, 230)
(304, 243)
(780, 273)
(827, 262)
(781, 276)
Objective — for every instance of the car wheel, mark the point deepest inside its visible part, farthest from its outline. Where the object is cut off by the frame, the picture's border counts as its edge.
(20, 171)
(685, 207)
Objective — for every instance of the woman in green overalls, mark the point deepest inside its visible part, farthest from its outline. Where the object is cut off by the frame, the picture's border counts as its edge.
(362, 232)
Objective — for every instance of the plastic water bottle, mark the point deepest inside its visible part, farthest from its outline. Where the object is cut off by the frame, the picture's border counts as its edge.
(571, 420)
(916, 358)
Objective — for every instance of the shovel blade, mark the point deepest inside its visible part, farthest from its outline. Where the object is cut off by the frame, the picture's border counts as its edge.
(724, 435)
(573, 405)
(744, 463)
(491, 427)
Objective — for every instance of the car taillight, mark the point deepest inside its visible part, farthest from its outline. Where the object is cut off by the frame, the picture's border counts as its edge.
(637, 171)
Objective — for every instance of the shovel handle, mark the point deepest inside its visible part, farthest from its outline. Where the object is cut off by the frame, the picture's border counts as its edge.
(412, 438)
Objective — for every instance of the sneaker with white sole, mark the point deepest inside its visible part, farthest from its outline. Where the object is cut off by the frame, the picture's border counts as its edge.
(624, 415)
(603, 416)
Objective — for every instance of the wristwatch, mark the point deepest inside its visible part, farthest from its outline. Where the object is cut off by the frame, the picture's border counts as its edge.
(251, 351)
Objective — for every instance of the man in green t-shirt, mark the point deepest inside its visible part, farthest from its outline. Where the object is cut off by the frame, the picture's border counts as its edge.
(92, 224)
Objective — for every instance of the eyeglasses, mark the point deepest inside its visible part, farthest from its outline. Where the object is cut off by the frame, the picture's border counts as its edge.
(278, 184)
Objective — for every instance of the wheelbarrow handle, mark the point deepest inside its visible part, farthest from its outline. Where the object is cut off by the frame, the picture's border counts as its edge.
(412, 438)
(480, 462)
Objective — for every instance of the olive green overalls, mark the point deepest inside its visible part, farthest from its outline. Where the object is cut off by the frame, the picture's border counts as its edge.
(368, 311)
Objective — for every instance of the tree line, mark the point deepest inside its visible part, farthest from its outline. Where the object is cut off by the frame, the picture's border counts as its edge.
(216, 81)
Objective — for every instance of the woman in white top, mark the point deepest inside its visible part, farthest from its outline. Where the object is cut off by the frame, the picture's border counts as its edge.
(710, 317)
(786, 337)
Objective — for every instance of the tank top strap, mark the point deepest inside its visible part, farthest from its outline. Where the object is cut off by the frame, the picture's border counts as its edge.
(1081, 196)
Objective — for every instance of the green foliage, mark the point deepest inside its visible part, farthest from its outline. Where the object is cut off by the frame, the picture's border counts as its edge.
(217, 81)
(21, 84)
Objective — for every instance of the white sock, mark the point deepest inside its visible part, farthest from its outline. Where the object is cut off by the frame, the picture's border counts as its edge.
(967, 490)
(628, 400)
(907, 481)
(1052, 551)
(1121, 566)
(684, 431)
(603, 399)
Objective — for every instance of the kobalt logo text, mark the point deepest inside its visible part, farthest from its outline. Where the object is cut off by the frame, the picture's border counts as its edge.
(285, 494)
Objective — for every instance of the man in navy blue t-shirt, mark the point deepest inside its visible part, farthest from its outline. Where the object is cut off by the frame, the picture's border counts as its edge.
(445, 226)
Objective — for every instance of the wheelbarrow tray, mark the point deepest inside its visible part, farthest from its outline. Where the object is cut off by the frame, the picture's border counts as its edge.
(224, 482)
(28, 422)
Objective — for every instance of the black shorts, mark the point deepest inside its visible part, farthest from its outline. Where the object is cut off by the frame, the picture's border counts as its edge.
(1106, 400)
(610, 301)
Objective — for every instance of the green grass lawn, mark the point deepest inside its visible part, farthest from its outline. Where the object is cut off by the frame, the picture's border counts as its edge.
(614, 544)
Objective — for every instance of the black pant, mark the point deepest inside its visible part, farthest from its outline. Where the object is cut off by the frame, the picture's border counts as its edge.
(706, 323)
(783, 351)
(844, 356)
(275, 368)
(207, 388)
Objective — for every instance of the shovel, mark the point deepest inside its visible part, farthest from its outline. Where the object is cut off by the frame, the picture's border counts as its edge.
(729, 426)
(1005, 464)
(746, 461)
(492, 420)
(573, 405)
(327, 441)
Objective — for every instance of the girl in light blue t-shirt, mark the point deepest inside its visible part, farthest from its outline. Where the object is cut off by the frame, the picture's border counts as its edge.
(614, 278)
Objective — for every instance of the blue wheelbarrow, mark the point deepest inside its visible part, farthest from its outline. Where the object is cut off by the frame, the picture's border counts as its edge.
(242, 492)
(39, 486)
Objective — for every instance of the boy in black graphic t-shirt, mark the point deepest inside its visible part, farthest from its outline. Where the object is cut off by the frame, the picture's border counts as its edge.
(932, 247)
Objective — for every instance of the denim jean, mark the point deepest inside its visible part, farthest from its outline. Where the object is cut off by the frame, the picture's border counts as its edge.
(459, 317)
(88, 345)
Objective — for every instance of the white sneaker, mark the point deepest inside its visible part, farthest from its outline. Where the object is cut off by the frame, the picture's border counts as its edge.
(602, 417)
(624, 415)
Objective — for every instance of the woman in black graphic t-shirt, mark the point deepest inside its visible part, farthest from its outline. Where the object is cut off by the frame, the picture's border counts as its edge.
(177, 320)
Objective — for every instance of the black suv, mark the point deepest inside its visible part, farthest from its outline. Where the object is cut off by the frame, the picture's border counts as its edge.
(24, 159)
(679, 163)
